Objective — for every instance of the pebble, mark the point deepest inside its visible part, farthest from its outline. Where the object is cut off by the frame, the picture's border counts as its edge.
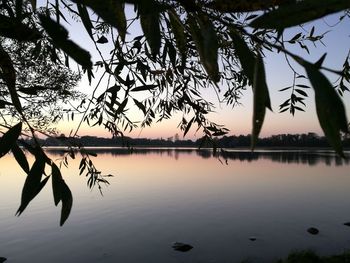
(313, 230)
(178, 246)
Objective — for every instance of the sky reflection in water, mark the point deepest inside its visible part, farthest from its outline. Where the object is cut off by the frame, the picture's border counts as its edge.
(160, 196)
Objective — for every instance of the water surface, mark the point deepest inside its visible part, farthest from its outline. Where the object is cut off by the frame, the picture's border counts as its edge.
(160, 196)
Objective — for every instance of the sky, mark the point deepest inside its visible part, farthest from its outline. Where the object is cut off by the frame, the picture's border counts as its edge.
(239, 119)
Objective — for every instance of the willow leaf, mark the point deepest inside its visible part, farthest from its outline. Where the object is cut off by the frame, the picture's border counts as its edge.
(151, 29)
(111, 11)
(20, 157)
(67, 202)
(144, 87)
(205, 38)
(329, 107)
(188, 126)
(33, 184)
(56, 183)
(245, 55)
(61, 192)
(261, 99)
(179, 33)
(85, 18)
(140, 106)
(121, 107)
(8, 140)
(254, 70)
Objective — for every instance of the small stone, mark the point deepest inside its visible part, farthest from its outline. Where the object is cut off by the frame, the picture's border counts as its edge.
(347, 224)
(252, 238)
(313, 230)
(2, 259)
(178, 246)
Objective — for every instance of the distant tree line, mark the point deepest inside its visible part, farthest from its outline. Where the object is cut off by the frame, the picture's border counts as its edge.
(280, 140)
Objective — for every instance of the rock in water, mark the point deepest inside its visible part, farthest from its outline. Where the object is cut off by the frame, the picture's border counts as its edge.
(252, 238)
(313, 230)
(178, 246)
(2, 259)
(347, 224)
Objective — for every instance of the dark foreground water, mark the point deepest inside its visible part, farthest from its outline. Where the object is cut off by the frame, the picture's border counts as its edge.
(158, 197)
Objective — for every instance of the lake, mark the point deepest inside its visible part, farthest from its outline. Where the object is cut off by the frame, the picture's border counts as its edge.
(160, 196)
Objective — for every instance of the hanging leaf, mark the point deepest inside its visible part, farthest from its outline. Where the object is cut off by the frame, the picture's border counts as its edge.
(312, 31)
(302, 86)
(67, 203)
(140, 106)
(8, 140)
(188, 126)
(245, 55)
(20, 157)
(329, 107)
(85, 18)
(298, 108)
(219, 133)
(261, 99)
(179, 33)
(255, 71)
(301, 92)
(286, 88)
(144, 87)
(60, 37)
(297, 36)
(210, 48)
(61, 192)
(9, 76)
(299, 12)
(33, 183)
(205, 38)
(121, 107)
(111, 11)
(56, 183)
(150, 27)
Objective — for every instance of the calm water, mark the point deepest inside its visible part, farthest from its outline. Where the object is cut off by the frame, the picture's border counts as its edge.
(161, 196)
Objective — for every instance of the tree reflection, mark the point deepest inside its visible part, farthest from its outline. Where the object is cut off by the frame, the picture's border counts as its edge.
(303, 157)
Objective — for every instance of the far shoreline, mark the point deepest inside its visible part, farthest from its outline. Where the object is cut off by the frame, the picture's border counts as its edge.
(244, 148)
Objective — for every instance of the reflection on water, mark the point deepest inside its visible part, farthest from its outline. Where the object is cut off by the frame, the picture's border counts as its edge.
(161, 196)
(308, 157)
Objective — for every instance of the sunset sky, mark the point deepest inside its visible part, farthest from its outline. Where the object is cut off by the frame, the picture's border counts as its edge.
(238, 119)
